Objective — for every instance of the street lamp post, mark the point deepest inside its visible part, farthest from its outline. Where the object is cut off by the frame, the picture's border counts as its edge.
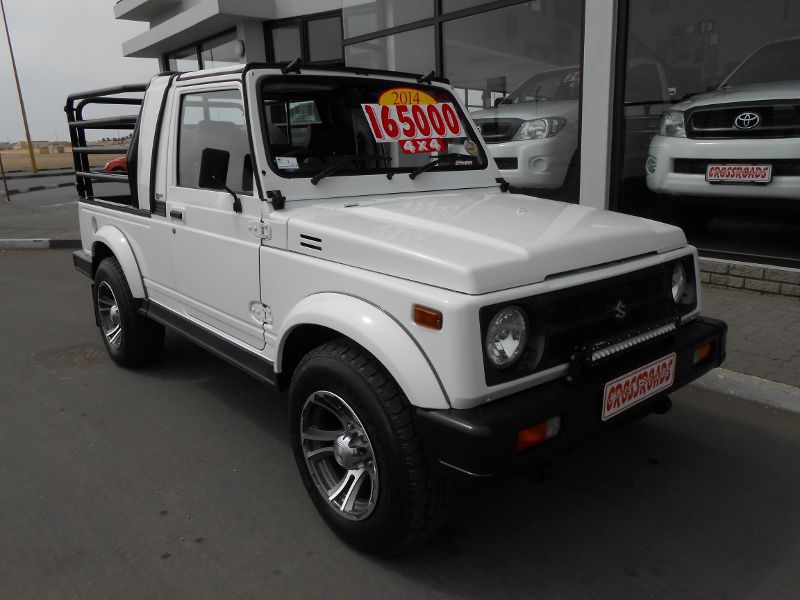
(19, 90)
(3, 176)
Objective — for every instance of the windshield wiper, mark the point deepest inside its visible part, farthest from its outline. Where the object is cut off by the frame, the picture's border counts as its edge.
(435, 161)
(331, 169)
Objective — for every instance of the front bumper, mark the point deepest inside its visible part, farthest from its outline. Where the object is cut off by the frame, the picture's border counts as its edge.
(665, 150)
(481, 442)
(534, 164)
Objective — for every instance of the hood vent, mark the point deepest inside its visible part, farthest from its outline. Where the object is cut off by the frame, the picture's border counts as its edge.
(314, 243)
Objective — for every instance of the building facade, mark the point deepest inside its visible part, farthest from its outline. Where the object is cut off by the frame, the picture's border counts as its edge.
(630, 105)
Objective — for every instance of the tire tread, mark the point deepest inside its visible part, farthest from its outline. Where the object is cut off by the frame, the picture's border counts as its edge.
(430, 495)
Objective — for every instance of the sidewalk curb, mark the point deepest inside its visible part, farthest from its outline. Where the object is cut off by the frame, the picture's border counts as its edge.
(25, 175)
(38, 244)
(39, 188)
(763, 391)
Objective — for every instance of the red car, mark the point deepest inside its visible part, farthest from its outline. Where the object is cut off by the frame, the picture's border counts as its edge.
(118, 165)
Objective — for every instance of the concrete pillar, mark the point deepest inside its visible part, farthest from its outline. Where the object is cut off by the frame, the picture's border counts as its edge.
(251, 33)
(597, 108)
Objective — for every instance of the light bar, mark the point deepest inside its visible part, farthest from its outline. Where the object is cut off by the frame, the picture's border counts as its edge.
(633, 341)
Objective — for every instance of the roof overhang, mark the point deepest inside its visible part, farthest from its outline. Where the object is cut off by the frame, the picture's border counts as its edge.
(201, 20)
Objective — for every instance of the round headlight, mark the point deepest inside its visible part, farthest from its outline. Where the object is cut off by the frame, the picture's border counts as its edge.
(507, 337)
(678, 282)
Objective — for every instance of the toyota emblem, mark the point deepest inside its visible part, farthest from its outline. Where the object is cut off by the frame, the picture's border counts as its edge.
(746, 120)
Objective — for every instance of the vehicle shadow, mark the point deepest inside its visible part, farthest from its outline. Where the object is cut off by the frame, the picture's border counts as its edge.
(671, 507)
(694, 504)
(185, 361)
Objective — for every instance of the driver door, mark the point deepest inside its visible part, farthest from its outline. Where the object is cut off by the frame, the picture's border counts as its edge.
(214, 255)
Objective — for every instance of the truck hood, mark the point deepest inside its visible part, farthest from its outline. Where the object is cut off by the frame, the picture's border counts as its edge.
(778, 90)
(567, 109)
(474, 241)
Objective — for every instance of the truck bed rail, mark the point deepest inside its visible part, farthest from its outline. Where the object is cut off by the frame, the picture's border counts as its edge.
(78, 125)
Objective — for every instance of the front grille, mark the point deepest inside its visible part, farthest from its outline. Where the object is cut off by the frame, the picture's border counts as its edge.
(584, 318)
(776, 119)
(506, 163)
(783, 167)
(494, 131)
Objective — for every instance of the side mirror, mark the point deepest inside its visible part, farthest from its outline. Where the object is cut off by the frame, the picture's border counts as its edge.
(499, 101)
(713, 83)
(214, 168)
(214, 173)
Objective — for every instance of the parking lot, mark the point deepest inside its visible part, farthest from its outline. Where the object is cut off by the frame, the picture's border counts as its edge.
(178, 482)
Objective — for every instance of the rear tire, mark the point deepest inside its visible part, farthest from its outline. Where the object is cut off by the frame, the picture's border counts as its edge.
(131, 339)
(358, 453)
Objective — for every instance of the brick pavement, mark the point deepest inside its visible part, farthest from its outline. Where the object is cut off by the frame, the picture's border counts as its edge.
(763, 334)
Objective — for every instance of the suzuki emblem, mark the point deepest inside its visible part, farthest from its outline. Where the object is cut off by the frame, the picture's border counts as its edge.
(746, 120)
(620, 311)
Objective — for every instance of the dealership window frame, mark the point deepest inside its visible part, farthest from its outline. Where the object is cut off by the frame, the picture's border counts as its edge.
(302, 23)
(617, 149)
(198, 48)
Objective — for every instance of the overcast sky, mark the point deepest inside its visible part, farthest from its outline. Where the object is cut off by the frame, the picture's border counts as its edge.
(62, 46)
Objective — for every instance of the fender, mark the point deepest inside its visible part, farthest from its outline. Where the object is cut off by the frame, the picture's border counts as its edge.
(380, 334)
(116, 240)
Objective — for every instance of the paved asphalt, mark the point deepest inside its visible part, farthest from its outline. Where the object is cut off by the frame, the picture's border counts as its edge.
(45, 213)
(42, 214)
(178, 482)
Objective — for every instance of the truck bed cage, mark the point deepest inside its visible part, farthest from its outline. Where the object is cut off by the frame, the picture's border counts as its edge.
(81, 150)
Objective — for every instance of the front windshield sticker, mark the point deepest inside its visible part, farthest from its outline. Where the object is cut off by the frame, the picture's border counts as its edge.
(417, 146)
(412, 121)
(409, 96)
(286, 162)
(410, 114)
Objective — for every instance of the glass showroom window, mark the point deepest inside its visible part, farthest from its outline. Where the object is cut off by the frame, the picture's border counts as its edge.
(187, 59)
(316, 39)
(287, 42)
(709, 130)
(220, 52)
(325, 39)
(362, 17)
(411, 51)
(518, 70)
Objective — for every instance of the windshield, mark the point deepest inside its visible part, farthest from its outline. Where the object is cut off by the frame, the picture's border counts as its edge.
(553, 85)
(355, 126)
(774, 62)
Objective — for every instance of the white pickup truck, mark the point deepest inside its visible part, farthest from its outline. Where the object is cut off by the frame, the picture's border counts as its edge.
(345, 235)
(736, 147)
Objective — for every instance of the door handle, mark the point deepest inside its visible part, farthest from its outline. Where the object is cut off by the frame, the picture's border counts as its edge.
(176, 214)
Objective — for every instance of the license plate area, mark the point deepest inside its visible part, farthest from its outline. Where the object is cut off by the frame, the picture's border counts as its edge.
(626, 391)
(739, 173)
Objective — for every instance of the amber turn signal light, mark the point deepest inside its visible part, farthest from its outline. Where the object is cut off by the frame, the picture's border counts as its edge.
(536, 434)
(702, 353)
(427, 317)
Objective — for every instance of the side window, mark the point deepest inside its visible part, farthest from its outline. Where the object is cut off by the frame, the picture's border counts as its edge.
(214, 120)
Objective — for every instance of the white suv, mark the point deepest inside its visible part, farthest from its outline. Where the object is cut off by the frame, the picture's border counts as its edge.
(315, 227)
(738, 144)
(533, 132)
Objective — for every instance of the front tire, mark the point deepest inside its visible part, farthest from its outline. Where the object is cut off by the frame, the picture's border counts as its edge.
(358, 453)
(131, 339)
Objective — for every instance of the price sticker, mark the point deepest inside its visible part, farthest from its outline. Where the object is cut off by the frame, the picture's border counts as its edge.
(404, 114)
(422, 146)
